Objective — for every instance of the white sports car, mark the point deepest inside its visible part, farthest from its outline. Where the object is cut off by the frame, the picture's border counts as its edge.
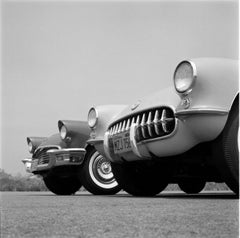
(186, 134)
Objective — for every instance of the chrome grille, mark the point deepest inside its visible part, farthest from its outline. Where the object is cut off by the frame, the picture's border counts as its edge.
(151, 124)
(42, 156)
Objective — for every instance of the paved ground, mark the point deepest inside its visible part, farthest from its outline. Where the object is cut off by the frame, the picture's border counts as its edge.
(171, 214)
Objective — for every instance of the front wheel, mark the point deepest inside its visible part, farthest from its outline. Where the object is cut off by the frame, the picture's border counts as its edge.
(96, 174)
(192, 186)
(227, 151)
(62, 185)
(138, 179)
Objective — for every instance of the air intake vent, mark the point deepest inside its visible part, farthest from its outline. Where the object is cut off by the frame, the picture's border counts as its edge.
(42, 156)
(150, 124)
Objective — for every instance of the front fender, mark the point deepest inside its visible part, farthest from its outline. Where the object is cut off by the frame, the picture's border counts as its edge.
(36, 141)
(77, 135)
(216, 85)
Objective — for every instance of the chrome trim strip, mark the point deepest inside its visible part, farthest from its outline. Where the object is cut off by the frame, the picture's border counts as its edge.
(66, 151)
(45, 147)
(41, 166)
(27, 161)
(201, 111)
(94, 141)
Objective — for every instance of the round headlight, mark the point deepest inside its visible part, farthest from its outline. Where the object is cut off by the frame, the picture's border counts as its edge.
(30, 147)
(92, 117)
(63, 132)
(184, 76)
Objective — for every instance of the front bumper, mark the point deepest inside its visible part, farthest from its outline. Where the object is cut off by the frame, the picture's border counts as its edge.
(191, 127)
(54, 158)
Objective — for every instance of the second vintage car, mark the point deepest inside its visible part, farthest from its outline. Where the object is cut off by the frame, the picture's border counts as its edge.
(66, 161)
(186, 134)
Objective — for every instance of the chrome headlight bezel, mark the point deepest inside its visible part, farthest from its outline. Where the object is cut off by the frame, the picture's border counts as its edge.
(63, 132)
(30, 147)
(184, 82)
(92, 117)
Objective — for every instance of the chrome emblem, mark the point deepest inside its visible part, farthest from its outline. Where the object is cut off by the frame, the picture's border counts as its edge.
(185, 102)
(135, 105)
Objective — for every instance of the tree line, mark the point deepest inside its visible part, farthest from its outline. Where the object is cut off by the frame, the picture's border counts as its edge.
(19, 182)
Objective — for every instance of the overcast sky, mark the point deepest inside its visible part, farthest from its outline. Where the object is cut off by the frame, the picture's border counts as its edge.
(59, 57)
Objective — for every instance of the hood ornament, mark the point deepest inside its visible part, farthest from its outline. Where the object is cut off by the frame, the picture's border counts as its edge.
(135, 105)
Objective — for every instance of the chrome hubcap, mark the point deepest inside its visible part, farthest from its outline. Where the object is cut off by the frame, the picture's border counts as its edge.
(102, 170)
(105, 168)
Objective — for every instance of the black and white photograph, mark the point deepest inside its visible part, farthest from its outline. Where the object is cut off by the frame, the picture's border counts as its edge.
(119, 119)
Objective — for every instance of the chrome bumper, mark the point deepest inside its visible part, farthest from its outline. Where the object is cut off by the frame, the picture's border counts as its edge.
(28, 164)
(57, 157)
(137, 153)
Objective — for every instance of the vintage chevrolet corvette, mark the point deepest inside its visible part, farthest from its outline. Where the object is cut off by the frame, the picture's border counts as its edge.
(186, 134)
(66, 162)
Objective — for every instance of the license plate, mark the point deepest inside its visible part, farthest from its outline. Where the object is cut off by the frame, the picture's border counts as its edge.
(121, 143)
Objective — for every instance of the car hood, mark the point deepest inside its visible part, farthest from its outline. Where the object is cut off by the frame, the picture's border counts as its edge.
(165, 97)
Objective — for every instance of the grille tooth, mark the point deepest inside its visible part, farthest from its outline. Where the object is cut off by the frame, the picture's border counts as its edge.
(123, 127)
(149, 123)
(120, 127)
(143, 119)
(133, 119)
(128, 124)
(138, 120)
(163, 121)
(116, 129)
(113, 130)
(143, 125)
(155, 121)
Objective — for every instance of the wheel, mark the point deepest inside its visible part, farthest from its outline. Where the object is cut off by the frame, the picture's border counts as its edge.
(139, 180)
(62, 185)
(227, 151)
(96, 174)
(192, 186)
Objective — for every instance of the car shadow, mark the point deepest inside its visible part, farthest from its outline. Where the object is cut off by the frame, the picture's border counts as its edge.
(163, 195)
(181, 195)
(211, 195)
